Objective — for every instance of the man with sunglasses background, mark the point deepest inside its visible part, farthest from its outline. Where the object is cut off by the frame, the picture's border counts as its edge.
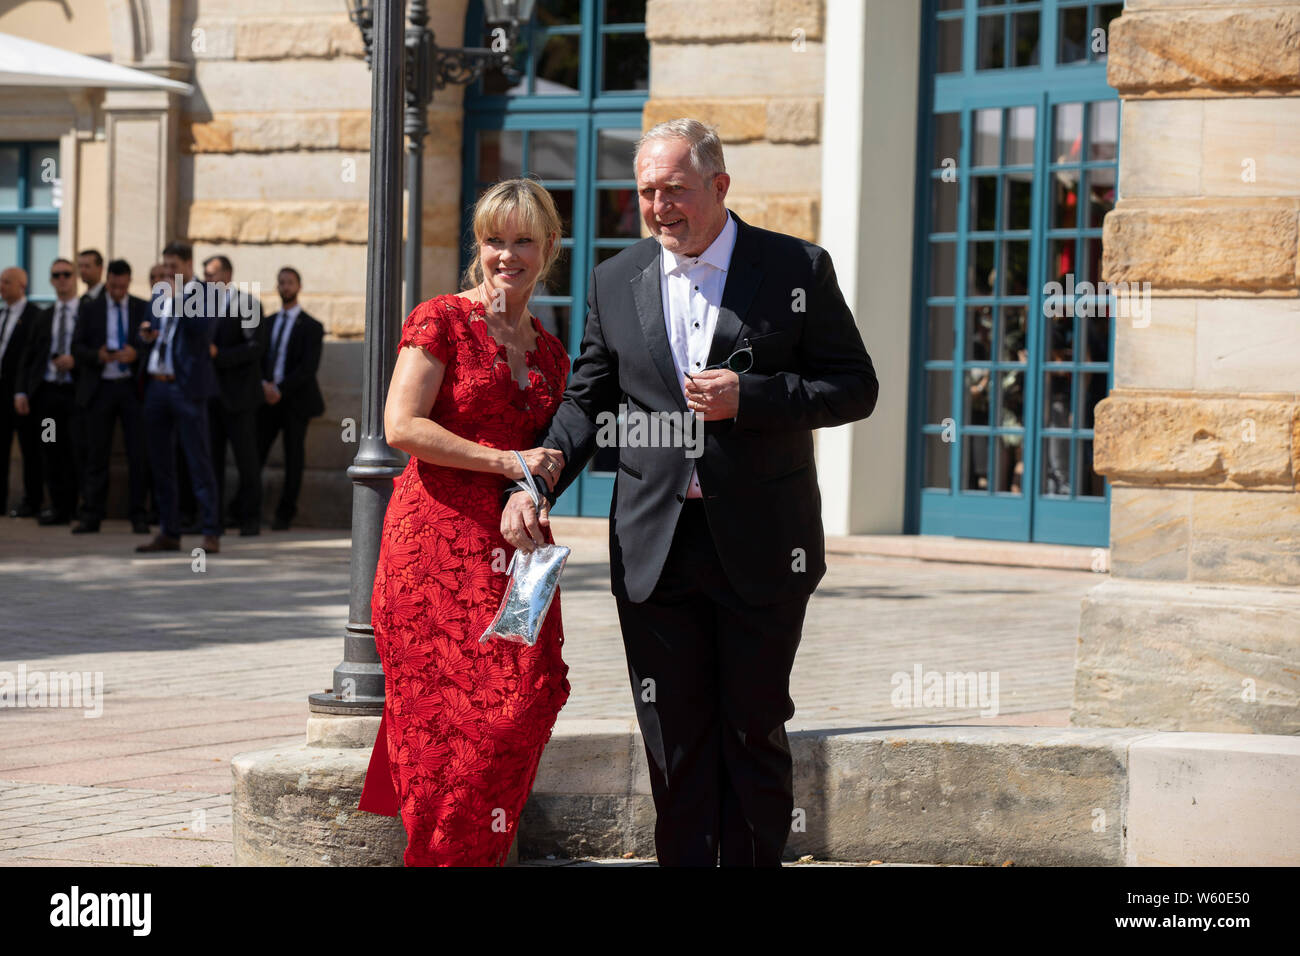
(48, 386)
(712, 558)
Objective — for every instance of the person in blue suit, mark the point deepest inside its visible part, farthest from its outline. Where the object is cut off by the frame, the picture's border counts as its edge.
(179, 379)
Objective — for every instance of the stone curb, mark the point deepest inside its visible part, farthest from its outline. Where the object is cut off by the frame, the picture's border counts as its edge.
(930, 794)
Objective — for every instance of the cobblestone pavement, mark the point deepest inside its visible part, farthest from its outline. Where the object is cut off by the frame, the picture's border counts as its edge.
(197, 666)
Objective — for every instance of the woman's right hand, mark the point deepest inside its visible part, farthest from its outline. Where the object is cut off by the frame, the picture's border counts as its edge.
(545, 463)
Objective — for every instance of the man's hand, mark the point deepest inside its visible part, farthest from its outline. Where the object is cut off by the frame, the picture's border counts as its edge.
(104, 355)
(64, 362)
(22, 408)
(522, 525)
(271, 393)
(125, 354)
(714, 394)
(147, 332)
(212, 349)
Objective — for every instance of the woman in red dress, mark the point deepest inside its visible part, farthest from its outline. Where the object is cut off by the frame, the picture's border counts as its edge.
(464, 723)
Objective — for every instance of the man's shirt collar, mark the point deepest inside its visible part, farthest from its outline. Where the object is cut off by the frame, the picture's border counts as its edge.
(718, 254)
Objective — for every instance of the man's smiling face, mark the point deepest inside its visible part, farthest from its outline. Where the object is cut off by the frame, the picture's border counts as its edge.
(681, 208)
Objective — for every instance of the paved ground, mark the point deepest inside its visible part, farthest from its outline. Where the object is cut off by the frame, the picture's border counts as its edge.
(199, 666)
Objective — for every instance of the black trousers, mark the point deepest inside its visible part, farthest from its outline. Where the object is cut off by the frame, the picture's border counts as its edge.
(711, 684)
(63, 452)
(29, 445)
(240, 430)
(271, 420)
(114, 401)
(169, 415)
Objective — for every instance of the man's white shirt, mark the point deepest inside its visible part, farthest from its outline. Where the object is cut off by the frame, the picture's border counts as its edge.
(112, 340)
(166, 324)
(691, 288)
(280, 336)
(63, 325)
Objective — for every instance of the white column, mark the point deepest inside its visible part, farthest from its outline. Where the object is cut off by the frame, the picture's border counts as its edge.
(868, 186)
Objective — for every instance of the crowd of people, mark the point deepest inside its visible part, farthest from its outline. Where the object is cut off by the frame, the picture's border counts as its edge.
(196, 367)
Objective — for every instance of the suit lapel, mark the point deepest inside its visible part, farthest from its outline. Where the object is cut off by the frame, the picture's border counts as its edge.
(743, 277)
(649, 300)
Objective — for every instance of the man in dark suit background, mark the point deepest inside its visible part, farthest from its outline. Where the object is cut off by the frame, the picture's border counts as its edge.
(179, 380)
(18, 319)
(90, 269)
(713, 556)
(107, 350)
(48, 380)
(237, 349)
(289, 385)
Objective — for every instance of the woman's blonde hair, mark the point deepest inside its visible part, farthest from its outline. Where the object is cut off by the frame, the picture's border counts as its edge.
(538, 217)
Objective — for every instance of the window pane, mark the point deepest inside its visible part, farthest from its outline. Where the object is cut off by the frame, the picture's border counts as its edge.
(1019, 190)
(950, 4)
(500, 154)
(975, 463)
(564, 205)
(1060, 338)
(1025, 37)
(936, 463)
(1067, 138)
(1106, 13)
(977, 396)
(1101, 195)
(557, 66)
(980, 268)
(1011, 399)
(943, 265)
(553, 153)
(1065, 198)
(979, 333)
(623, 11)
(42, 170)
(1074, 35)
(991, 52)
(42, 250)
(1015, 267)
(1056, 466)
(988, 136)
(615, 149)
(1013, 335)
(983, 205)
(1091, 484)
(1093, 262)
(948, 59)
(1103, 129)
(1020, 136)
(1060, 259)
(9, 198)
(554, 318)
(940, 333)
(618, 215)
(947, 139)
(626, 62)
(559, 12)
(1056, 400)
(938, 396)
(1096, 346)
(943, 204)
(1092, 389)
(558, 283)
(8, 246)
(1010, 464)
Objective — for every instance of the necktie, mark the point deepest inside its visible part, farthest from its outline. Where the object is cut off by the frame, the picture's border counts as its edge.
(162, 340)
(60, 323)
(121, 333)
(279, 341)
(5, 331)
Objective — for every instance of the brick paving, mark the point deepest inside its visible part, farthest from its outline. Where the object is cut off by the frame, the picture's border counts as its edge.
(197, 666)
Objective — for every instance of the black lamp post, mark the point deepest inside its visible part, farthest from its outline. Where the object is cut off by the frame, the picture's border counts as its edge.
(358, 684)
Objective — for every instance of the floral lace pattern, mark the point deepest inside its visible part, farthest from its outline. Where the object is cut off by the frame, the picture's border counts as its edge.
(464, 723)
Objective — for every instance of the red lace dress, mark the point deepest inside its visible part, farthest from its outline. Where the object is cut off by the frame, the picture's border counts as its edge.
(464, 723)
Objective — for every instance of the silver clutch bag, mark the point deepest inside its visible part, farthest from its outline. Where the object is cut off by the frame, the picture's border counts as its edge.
(534, 579)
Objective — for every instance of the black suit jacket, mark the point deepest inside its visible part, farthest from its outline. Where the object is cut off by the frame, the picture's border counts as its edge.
(92, 332)
(12, 367)
(300, 392)
(757, 472)
(191, 359)
(239, 355)
(38, 346)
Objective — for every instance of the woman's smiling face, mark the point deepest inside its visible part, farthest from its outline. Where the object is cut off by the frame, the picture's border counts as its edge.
(511, 258)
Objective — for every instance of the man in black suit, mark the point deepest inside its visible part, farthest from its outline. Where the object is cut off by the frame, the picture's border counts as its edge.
(48, 381)
(716, 544)
(237, 349)
(179, 380)
(106, 348)
(90, 269)
(292, 395)
(18, 319)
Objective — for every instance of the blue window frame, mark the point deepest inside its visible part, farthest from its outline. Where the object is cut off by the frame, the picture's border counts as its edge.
(572, 122)
(29, 218)
(1018, 152)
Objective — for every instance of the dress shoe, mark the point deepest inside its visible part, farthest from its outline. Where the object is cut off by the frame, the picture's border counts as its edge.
(280, 524)
(211, 544)
(86, 527)
(161, 542)
(139, 527)
(53, 517)
(249, 531)
(23, 511)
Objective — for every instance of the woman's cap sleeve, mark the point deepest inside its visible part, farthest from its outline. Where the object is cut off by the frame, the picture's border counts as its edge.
(429, 327)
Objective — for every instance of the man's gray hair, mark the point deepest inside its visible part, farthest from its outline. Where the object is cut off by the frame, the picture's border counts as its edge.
(706, 147)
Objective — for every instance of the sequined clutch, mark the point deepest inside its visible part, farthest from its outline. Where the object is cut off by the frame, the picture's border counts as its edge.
(534, 579)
